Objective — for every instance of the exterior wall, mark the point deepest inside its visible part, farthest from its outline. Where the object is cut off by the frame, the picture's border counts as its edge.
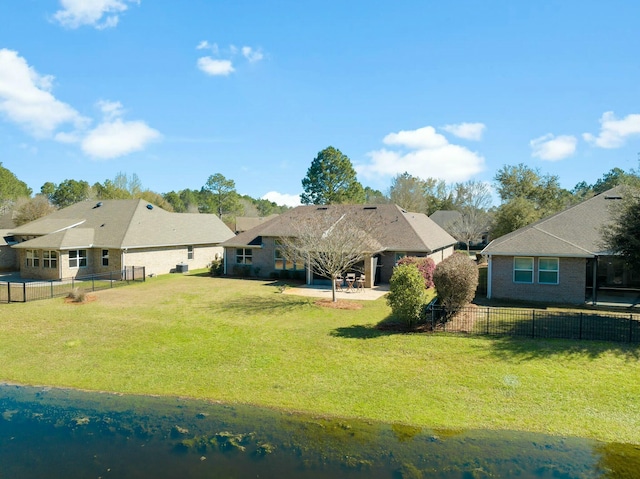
(263, 260)
(165, 260)
(8, 258)
(31, 272)
(570, 288)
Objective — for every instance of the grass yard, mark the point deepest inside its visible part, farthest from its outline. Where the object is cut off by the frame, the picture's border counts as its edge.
(243, 341)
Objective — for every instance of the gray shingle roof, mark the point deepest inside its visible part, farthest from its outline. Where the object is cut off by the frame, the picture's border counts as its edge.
(574, 232)
(394, 229)
(120, 224)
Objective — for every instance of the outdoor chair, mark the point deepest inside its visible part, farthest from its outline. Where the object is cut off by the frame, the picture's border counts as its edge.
(339, 281)
(360, 282)
(351, 280)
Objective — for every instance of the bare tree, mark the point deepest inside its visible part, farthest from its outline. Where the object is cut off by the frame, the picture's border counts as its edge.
(332, 241)
(30, 209)
(469, 226)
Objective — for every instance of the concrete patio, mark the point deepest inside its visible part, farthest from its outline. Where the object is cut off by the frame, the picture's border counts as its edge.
(324, 291)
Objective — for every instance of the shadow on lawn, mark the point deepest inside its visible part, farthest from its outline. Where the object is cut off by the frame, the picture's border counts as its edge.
(359, 331)
(260, 304)
(524, 349)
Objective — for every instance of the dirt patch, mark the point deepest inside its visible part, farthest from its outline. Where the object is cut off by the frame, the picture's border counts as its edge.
(88, 298)
(340, 304)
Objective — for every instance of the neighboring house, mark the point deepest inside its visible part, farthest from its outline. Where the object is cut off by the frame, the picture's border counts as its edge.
(560, 259)
(105, 236)
(245, 223)
(445, 218)
(8, 256)
(397, 232)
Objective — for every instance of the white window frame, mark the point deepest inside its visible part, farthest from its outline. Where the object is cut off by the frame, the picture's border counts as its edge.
(556, 270)
(244, 256)
(189, 252)
(32, 258)
(517, 270)
(50, 259)
(79, 259)
(105, 257)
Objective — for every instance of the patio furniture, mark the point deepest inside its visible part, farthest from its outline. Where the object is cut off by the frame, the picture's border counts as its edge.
(339, 282)
(360, 283)
(351, 280)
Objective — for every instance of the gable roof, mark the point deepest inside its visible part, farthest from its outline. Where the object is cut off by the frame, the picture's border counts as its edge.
(245, 223)
(394, 228)
(120, 224)
(574, 232)
(443, 218)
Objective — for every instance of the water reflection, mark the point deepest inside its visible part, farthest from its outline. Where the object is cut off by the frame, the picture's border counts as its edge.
(66, 434)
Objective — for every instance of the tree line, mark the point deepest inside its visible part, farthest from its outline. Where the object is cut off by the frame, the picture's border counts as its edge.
(526, 195)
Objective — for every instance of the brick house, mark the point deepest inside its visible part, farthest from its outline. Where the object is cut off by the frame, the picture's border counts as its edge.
(395, 233)
(107, 236)
(561, 258)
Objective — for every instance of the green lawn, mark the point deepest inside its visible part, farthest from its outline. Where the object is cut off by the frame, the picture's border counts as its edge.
(243, 341)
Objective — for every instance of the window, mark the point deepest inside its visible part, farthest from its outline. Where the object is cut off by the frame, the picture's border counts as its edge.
(244, 256)
(399, 256)
(105, 257)
(78, 258)
(33, 258)
(280, 260)
(548, 270)
(522, 270)
(189, 252)
(50, 259)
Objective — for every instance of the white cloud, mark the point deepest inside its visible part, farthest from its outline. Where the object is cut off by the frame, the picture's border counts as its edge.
(467, 131)
(26, 98)
(614, 132)
(100, 14)
(214, 67)
(553, 148)
(252, 55)
(282, 198)
(423, 153)
(114, 137)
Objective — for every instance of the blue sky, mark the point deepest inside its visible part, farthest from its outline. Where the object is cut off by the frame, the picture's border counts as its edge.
(177, 91)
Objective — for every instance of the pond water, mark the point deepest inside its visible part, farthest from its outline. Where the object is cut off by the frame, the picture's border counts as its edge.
(56, 433)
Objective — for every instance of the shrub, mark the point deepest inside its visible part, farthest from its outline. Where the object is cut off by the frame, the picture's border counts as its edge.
(77, 295)
(425, 265)
(216, 268)
(242, 270)
(406, 294)
(456, 280)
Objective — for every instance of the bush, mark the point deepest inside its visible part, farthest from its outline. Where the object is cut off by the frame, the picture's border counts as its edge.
(406, 294)
(242, 270)
(425, 265)
(456, 280)
(77, 295)
(216, 268)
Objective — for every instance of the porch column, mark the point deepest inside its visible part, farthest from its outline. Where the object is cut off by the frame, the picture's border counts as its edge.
(369, 273)
(489, 269)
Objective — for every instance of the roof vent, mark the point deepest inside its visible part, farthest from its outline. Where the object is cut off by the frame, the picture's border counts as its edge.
(98, 204)
(322, 208)
(370, 207)
(612, 197)
(149, 207)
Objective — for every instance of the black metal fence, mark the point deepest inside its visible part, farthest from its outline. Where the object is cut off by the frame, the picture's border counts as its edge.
(536, 323)
(23, 291)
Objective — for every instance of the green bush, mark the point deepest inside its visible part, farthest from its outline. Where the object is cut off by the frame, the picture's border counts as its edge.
(425, 265)
(216, 268)
(242, 270)
(406, 295)
(456, 280)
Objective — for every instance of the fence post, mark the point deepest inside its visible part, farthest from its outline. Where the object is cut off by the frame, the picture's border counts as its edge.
(533, 323)
(8, 292)
(433, 321)
(144, 273)
(111, 279)
(580, 329)
(93, 282)
(24, 292)
(51, 287)
(488, 314)
(630, 326)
